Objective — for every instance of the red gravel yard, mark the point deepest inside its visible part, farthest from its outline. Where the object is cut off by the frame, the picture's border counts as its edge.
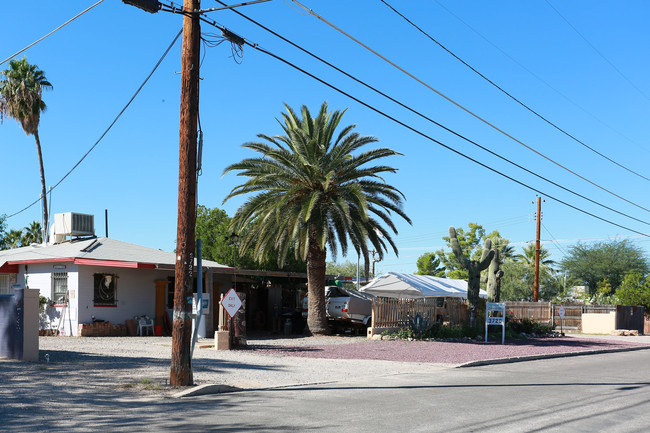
(447, 352)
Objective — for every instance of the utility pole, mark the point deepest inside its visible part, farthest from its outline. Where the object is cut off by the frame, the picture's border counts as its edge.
(537, 249)
(181, 363)
(181, 368)
(375, 260)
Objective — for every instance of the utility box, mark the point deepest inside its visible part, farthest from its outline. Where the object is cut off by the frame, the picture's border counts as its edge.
(19, 325)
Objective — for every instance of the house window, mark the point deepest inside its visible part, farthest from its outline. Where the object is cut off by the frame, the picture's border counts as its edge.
(105, 289)
(4, 284)
(59, 286)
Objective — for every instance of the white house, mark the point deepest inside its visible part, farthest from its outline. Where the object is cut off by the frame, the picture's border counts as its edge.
(110, 280)
(103, 278)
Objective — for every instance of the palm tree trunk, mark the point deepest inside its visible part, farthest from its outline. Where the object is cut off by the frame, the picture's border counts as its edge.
(316, 264)
(366, 265)
(43, 191)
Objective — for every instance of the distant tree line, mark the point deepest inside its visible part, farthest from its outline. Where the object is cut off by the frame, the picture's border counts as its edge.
(613, 272)
(16, 238)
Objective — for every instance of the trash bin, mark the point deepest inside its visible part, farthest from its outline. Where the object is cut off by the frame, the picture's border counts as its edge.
(288, 327)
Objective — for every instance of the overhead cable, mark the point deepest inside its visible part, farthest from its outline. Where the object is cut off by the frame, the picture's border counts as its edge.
(641, 92)
(468, 111)
(435, 122)
(546, 83)
(109, 126)
(511, 96)
(422, 134)
(62, 25)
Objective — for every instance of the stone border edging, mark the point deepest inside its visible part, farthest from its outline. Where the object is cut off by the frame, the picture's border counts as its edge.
(547, 356)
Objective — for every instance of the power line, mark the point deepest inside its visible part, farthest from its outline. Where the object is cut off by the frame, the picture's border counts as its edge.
(109, 126)
(468, 111)
(399, 122)
(598, 51)
(61, 26)
(433, 121)
(511, 96)
(553, 240)
(546, 83)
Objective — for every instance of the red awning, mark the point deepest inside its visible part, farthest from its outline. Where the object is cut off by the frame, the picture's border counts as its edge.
(7, 268)
(114, 263)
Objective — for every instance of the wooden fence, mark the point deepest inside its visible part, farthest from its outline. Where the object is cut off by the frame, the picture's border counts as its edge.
(395, 313)
(545, 312)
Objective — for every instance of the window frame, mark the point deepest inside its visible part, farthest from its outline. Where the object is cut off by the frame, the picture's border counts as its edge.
(8, 286)
(58, 277)
(105, 297)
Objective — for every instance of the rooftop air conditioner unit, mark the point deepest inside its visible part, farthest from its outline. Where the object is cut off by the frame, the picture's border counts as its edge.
(74, 224)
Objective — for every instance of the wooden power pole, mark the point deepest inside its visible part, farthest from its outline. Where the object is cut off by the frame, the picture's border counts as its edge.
(181, 368)
(537, 248)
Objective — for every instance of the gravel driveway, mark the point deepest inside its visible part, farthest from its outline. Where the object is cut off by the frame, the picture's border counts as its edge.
(139, 366)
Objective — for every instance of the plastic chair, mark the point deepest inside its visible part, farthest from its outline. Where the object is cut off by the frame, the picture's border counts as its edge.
(144, 323)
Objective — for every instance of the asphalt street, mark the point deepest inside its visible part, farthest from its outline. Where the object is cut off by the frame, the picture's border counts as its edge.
(605, 392)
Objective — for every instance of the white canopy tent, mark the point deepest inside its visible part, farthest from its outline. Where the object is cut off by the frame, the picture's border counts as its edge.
(411, 286)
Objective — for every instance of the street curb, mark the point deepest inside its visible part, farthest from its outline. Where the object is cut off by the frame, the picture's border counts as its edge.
(547, 356)
(204, 390)
(209, 389)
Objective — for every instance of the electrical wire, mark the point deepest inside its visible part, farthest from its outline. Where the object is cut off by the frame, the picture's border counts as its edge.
(109, 126)
(61, 26)
(422, 134)
(431, 120)
(468, 111)
(440, 143)
(562, 250)
(546, 83)
(511, 96)
(641, 92)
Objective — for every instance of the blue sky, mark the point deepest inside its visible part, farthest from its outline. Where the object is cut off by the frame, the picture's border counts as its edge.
(581, 64)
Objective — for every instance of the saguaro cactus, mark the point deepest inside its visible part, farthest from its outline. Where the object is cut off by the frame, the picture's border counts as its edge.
(474, 268)
(494, 274)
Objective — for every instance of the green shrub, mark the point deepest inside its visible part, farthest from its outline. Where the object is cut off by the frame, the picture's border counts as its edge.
(526, 326)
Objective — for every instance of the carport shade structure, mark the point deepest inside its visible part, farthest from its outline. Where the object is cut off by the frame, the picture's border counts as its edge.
(411, 286)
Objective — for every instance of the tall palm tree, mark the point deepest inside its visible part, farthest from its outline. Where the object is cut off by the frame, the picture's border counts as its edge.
(21, 98)
(312, 190)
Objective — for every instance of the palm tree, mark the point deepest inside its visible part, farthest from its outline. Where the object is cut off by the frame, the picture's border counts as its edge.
(528, 256)
(545, 263)
(312, 193)
(14, 238)
(32, 234)
(20, 98)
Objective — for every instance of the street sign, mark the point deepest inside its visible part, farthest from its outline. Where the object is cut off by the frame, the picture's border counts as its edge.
(561, 312)
(231, 303)
(498, 317)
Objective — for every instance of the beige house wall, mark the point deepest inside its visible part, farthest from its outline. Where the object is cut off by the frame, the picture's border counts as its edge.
(30, 325)
(598, 323)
